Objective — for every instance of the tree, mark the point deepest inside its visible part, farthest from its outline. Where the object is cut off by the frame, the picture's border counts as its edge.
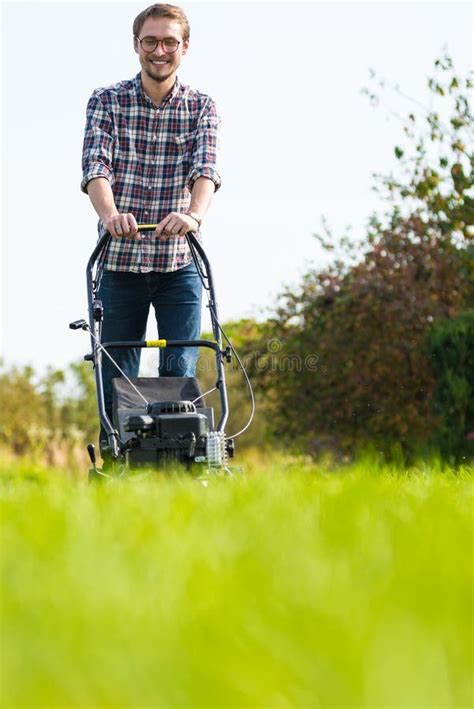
(366, 317)
(47, 417)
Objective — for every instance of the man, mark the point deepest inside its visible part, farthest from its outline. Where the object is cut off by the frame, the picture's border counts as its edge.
(150, 157)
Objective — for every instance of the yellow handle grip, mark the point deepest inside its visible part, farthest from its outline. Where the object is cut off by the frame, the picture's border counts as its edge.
(147, 227)
(155, 343)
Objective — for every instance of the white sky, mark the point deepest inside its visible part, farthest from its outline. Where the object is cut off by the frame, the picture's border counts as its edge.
(299, 140)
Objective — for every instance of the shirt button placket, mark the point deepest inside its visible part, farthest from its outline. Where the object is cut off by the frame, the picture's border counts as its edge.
(148, 205)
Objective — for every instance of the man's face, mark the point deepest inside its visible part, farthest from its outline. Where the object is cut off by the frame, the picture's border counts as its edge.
(159, 64)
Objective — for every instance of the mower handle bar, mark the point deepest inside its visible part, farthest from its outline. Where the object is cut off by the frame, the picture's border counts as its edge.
(194, 245)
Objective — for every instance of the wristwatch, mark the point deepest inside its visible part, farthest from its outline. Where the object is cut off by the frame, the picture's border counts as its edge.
(196, 217)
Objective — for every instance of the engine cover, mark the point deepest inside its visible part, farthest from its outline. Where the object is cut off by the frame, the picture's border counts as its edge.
(181, 425)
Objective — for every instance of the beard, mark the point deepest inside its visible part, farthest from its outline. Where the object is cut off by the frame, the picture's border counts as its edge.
(158, 76)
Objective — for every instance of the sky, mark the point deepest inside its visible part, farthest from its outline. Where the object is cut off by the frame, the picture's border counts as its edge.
(299, 141)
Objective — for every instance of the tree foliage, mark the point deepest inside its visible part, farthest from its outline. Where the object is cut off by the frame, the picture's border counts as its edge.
(50, 416)
(367, 315)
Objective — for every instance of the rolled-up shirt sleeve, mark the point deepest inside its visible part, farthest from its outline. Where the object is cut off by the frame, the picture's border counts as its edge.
(97, 153)
(206, 146)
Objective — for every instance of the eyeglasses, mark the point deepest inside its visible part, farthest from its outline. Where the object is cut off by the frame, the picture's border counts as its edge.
(149, 44)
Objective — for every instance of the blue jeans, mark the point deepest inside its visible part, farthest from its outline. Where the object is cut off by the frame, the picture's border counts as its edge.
(126, 297)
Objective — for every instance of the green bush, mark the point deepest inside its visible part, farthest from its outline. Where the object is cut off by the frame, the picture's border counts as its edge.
(451, 348)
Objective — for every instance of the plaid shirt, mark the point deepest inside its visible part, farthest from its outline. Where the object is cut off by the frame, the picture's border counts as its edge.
(151, 157)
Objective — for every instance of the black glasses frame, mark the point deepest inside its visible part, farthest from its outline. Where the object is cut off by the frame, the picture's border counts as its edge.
(158, 41)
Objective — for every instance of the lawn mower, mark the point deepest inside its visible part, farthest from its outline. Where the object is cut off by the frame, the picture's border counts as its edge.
(160, 421)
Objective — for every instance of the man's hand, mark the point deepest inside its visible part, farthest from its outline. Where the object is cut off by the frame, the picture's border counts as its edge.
(176, 224)
(121, 225)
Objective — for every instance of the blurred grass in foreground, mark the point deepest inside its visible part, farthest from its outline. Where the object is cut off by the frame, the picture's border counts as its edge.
(286, 587)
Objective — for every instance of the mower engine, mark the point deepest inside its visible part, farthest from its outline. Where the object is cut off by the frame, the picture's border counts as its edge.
(173, 431)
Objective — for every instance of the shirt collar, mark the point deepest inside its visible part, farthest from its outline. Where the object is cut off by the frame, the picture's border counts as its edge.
(146, 100)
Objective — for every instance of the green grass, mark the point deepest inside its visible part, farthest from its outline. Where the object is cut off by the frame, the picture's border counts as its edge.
(288, 587)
